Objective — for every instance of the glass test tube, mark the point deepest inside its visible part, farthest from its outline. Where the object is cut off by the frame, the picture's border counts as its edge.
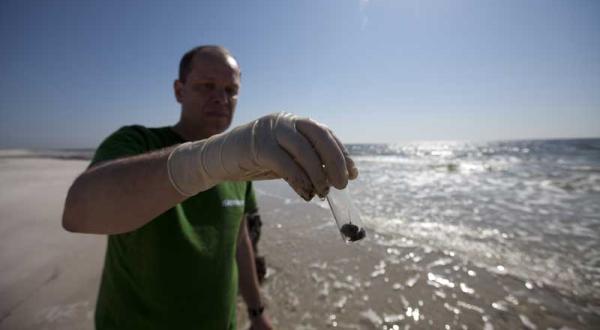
(346, 215)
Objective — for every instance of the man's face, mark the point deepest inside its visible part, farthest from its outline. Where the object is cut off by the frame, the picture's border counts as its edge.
(209, 94)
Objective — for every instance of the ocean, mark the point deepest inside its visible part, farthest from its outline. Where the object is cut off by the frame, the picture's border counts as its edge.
(528, 210)
(531, 208)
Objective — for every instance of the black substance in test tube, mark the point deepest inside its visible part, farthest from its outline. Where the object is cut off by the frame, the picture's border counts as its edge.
(352, 232)
(344, 213)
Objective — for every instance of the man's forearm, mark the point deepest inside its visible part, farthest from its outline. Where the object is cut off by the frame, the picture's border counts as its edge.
(248, 281)
(120, 196)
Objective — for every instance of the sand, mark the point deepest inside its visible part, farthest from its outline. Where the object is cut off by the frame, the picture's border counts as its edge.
(49, 278)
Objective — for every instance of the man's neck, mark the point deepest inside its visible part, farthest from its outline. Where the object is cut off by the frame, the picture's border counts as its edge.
(187, 133)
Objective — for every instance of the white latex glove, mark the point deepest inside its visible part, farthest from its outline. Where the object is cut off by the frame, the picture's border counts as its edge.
(303, 152)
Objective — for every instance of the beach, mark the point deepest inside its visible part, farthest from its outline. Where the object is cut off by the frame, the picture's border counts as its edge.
(393, 279)
(48, 277)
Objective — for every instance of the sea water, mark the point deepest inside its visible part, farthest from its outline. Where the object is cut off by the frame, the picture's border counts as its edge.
(530, 208)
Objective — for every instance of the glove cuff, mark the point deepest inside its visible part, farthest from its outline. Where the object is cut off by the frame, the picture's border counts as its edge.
(186, 171)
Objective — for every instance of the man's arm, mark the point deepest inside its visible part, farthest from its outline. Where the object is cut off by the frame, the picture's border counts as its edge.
(123, 195)
(120, 195)
(248, 281)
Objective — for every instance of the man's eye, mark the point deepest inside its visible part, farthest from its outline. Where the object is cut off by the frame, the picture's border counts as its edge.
(231, 90)
(204, 87)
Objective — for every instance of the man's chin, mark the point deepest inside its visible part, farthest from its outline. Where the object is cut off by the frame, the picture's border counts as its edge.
(219, 125)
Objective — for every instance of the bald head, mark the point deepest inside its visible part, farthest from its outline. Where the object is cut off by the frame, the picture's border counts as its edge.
(209, 52)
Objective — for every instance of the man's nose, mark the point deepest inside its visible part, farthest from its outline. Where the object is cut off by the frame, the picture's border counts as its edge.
(220, 96)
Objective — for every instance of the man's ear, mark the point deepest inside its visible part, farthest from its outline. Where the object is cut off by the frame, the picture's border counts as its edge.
(178, 90)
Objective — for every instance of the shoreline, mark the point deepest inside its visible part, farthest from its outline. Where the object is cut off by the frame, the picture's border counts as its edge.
(49, 277)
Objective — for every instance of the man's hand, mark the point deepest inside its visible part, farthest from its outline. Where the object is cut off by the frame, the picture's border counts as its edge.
(261, 322)
(306, 154)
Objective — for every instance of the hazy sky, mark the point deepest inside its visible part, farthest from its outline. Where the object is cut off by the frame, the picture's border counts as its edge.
(374, 71)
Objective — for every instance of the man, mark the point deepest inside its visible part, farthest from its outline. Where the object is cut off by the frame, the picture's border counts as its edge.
(172, 201)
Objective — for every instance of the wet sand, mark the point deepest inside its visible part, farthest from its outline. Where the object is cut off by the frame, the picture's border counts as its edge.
(49, 278)
(317, 281)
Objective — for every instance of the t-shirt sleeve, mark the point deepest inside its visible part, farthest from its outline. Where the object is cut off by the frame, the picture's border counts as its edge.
(126, 141)
(250, 202)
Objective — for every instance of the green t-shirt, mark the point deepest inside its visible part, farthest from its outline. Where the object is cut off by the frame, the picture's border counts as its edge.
(179, 270)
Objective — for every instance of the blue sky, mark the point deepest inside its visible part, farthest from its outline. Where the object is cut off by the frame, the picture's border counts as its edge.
(374, 71)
